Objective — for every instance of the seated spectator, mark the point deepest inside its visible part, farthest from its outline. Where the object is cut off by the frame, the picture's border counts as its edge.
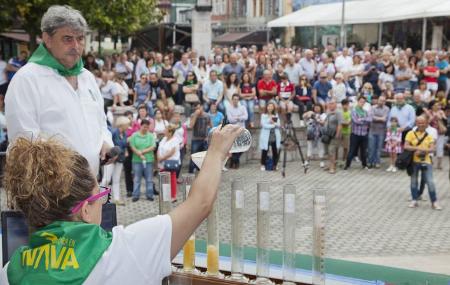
(201, 71)
(314, 120)
(120, 90)
(248, 96)
(142, 94)
(191, 89)
(339, 88)
(161, 125)
(181, 134)
(125, 67)
(286, 93)
(421, 162)
(143, 145)
(114, 170)
(215, 116)
(267, 89)
(270, 136)
(200, 124)
(237, 115)
(303, 96)
(158, 92)
(72, 211)
(425, 94)
(168, 75)
(386, 76)
(417, 103)
(322, 90)
(107, 87)
(431, 75)
(231, 87)
(169, 157)
(213, 92)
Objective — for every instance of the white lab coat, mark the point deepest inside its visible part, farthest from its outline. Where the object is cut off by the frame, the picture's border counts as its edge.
(40, 102)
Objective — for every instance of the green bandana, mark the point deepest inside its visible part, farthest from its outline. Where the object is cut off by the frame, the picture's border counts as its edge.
(360, 111)
(60, 253)
(43, 57)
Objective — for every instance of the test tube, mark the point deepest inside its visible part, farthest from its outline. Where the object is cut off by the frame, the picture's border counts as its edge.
(189, 246)
(263, 234)
(165, 201)
(212, 249)
(289, 234)
(237, 221)
(319, 218)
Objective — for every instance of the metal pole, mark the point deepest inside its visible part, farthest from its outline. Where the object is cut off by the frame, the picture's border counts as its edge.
(315, 35)
(424, 34)
(380, 34)
(342, 42)
(174, 35)
(268, 35)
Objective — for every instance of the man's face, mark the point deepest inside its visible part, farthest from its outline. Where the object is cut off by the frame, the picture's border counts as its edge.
(421, 123)
(267, 76)
(153, 79)
(235, 101)
(66, 45)
(184, 59)
(331, 106)
(233, 58)
(213, 76)
(381, 101)
(400, 100)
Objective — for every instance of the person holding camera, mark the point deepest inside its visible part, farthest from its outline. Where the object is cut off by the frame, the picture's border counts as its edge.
(331, 133)
(270, 136)
(422, 144)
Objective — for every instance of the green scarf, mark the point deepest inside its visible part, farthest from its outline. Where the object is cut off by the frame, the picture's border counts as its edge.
(43, 57)
(360, 111)
(60, 253)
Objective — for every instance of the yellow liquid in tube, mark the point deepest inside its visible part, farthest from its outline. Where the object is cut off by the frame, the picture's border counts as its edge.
(189, 255)
(212, 260)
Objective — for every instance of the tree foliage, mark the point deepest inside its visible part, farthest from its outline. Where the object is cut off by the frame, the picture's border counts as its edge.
(115, 17)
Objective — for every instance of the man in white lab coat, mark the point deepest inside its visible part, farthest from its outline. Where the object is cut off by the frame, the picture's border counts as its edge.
(53, 95)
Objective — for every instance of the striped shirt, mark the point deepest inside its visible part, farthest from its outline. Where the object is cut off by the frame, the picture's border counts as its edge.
(360, 124)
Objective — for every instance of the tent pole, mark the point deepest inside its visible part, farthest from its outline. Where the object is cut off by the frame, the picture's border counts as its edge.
(380, 34)
(268, 35)
(342, 41)
(424, 34)
(315, 35)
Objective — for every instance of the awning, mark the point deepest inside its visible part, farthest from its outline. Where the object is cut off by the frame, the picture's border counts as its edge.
(363, 12)
(22, 37)
(249, 38)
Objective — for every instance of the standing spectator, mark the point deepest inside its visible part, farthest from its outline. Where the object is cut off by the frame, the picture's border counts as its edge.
(15, 63)
(3, 77)
(355, 74)
(345, 128)
(402, 76)
(417, 103)
(425, 94)
(161, 125)
(158, 92)
(248, 96)
(393, 143)
(270, 136)
(142, 94)
(126, 68)
(182, 68)
(314, 121)
(415, 73)
(213, 92)
(404, 113)
(267, 89)
(372, 72)
(332, 128)
(327, 66)
(438, 120)
(200, 124)
(231, 87)
(114, 170)
(181, 134)
(344, 62)
(442, 65)
(215, 116)
(143, 146)
(286, 93)
(237, 115)
(422, 144)
(339, 90)
(360, 131)
(127, 163)
(380, 113)
(322, 90)
(303, 97)
(387, 76)
(308, 65)
(107, 87)
(431, 75)
(233, 67)
(169, 157)
(142, 115)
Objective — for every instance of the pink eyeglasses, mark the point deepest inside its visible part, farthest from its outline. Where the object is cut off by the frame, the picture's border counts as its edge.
(102, 195)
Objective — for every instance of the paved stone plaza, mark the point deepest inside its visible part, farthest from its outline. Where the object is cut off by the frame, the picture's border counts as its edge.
(368, 217)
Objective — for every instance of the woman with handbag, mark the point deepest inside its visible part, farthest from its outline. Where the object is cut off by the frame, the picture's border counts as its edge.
(438, 120)
(169, 157)
(270, 136)
(190, 90)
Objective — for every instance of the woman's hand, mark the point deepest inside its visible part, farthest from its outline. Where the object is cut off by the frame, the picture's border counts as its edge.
(223, 139)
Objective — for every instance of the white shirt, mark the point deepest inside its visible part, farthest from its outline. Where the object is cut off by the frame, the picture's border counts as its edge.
(122, 68)
(139, 254)
(40, 102)
(107, 90)
(121, 89)
(141, 67)
(160, 126)
(165, 146)
(343, 63)
(3, 65)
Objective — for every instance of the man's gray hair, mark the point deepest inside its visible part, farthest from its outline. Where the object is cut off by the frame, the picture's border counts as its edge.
(63, 16)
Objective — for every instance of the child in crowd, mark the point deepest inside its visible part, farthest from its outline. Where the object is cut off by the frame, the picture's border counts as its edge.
(314, 120)
(346, 128)
(393, 143)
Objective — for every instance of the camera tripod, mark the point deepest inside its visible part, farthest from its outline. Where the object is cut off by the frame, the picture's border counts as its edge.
(289, 138)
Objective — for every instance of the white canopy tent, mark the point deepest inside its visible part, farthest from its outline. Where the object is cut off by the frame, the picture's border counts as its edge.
(364, 12)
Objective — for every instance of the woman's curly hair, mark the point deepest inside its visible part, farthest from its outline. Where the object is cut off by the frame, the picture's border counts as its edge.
(44, 180)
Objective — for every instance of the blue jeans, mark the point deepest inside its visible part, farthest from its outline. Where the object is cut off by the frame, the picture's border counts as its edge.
(196, 146)
(149, 104)
(426, 177)
(375, 146)
(220, 107)
(250, 106)
(147, 172)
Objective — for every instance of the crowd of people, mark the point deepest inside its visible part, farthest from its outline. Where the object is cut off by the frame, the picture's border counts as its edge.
(354, 104)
